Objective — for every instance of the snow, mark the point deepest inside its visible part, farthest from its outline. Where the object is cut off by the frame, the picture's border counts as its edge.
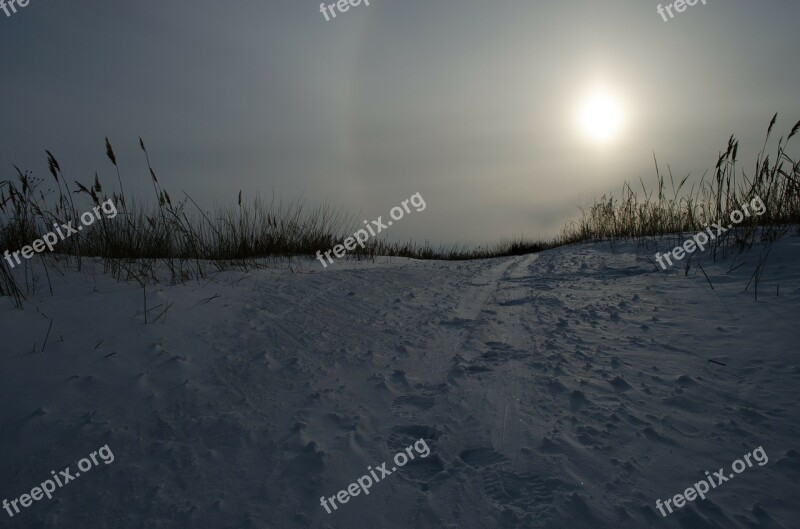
(570, 388)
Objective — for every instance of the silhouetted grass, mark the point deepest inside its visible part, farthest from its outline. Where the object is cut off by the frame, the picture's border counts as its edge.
(179, 231)
(691, 206)
(182, 236)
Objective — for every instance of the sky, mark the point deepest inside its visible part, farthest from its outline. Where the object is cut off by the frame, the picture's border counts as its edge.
(473, 104)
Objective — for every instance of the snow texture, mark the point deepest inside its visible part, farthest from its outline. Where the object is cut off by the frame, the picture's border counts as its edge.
(570, 388)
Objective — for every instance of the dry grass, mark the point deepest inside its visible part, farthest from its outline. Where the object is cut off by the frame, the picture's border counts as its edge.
(179, 233)
(183, 237)
(691, 206)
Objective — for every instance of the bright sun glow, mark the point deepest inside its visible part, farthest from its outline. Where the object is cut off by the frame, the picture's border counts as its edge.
(601, 117)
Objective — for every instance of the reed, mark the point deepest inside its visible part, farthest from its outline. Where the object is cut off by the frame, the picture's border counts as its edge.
(688, 206)
(184, 237)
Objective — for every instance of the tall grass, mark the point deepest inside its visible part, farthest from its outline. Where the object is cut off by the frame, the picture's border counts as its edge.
(179, 233)
(184, 238)
(691, 206)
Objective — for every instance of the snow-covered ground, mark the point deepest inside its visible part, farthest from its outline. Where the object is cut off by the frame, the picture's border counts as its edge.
(567, 389)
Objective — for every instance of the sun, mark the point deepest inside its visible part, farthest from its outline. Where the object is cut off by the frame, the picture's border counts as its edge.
(601, 116)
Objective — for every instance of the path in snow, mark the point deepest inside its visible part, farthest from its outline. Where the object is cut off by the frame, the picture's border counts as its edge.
(564, 389)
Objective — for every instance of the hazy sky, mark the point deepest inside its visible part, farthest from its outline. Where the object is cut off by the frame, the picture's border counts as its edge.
(471, 103)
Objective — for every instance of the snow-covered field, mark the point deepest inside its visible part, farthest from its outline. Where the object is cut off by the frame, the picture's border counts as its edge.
(567, 389)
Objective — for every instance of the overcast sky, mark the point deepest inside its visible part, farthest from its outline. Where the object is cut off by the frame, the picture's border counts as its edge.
(472, 103)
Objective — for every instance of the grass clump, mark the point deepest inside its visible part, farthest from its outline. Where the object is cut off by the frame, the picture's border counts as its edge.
(182, 236)
(692, 206)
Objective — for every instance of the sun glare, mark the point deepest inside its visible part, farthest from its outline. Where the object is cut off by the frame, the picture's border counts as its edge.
(601, 117)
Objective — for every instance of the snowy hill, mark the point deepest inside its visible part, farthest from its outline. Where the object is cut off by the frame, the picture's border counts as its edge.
(571, 388)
